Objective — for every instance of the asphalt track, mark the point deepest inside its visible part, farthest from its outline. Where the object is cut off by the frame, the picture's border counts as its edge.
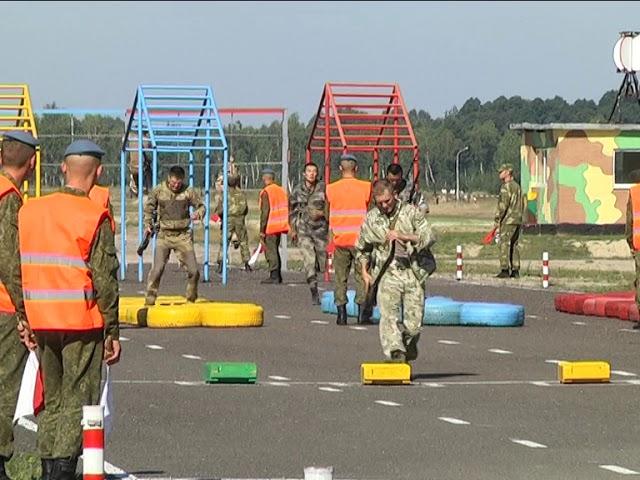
(485, 403)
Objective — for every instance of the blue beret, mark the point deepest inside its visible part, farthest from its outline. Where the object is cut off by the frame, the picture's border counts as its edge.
(268, 171)
(84, 147)
(22, 137)
(348, 156)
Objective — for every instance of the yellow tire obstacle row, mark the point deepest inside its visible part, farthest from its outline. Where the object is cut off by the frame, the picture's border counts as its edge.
(175, 312)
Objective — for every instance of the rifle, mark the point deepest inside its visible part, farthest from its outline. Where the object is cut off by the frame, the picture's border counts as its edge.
(147, 237)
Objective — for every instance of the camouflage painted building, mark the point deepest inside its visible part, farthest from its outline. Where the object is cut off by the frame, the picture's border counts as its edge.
(577, 173)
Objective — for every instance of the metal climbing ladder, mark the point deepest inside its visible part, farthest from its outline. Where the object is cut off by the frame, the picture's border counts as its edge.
(174, 119)
(16, 113)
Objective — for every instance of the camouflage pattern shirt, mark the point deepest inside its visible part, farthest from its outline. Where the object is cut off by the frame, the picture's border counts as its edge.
(372, 246)
(307, 209)
(237, 207)
(172, 208)
(103, 264)
(10, 273)
(509, 209)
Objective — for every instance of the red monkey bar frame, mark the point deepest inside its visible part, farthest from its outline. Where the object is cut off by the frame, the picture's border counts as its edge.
(362, 117)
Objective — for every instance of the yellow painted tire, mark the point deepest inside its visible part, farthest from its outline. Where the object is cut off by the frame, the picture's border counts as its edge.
(173, 316)
(227, 315)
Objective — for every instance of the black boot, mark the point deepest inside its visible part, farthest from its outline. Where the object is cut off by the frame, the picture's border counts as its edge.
(219, 268)
(515, 274)
(47, 467)
(398, 356)
(64, 468)
(503, 274)
(315, 296)
(247, 267)
(364, 315)
(274, 277)
(3, 473)
(342, 315)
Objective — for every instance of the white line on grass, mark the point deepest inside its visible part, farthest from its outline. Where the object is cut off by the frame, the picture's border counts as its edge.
(191, 357)
(283, 317)
(454, 421)
(528, 443)
(155, 347)
(329, 389)
(620, 470)
(278, 378)
(622, 373)
(387, 403)
(499, 351)
(448, 342)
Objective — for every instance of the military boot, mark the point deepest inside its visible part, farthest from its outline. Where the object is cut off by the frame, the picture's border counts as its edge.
(47, 466)
(315, 295)
(515, 274)
(64, 468)
(3, 473)
(247, 267)
(398, 356)
(364, 315)
(503, 274)
(342, 315)
(274, 277)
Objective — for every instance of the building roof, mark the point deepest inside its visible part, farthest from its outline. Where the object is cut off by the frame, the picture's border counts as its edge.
(575, 126)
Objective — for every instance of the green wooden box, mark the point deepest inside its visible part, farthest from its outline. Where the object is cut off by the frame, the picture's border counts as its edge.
(230, 372)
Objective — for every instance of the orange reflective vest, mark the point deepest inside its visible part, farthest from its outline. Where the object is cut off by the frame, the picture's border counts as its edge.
(56, 235)
(634, 192)
(348, 199)
(6, 304)
(278, 221)
(100, 195)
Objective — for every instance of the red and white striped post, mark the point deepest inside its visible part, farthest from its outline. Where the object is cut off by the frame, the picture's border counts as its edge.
(458, 262)
(328, 268)
(545, 269)
(93, 442)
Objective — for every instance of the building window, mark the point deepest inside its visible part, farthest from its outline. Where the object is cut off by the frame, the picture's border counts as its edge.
(625, 162)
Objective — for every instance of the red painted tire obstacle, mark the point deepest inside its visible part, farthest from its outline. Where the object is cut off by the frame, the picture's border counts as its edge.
(620, 305)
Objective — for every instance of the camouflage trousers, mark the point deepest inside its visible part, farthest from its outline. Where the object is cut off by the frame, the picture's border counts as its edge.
(343, 258)
(182, 243)
(401, 301)
(236, 225)
(13, 356)
(509, 249)
(314, 256)
(272, 252)
(71, 365)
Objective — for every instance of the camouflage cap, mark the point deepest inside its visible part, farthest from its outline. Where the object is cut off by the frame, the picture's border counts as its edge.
(505, 166)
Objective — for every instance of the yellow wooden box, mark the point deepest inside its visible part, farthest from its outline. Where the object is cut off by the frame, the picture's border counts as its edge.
(386, 373)
(584, 372)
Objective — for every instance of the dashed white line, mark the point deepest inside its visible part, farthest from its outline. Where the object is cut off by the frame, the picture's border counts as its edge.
(277, 384)
(500, 351)
(338, 384)
(620, 470)
(124, 339)
(454, 421)
(283, 317)
(579, 323)
(555, 362)
(448, 342)
(388, 403)
(532, 316)
(329, 389)
(528, 443)
(187, 384)
(320, 322)
(191, 357)
(155, 347)
(629, 330)
(358, 328)
(278, 378)
(432, 385)
(622, 373)
(541, 384)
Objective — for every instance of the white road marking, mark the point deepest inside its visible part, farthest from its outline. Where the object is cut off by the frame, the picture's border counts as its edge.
(433, 385)
(630, 382)
(320, 322)
(629, 330)
(579, 323)
(528, 443)
(191, 357)
(283, 317)
(499, 351)
(532, 316)
(620, 470)
(387, 403)
(187, 384)
(454, 421)
(555, 362)
(108, 468)
(541, 384)
(448, 342)
(279, 378)
(277, 384)
(358, 328)
(155, 347)
(124, 339)
(622, 373)
(339, 384)
(329, 389)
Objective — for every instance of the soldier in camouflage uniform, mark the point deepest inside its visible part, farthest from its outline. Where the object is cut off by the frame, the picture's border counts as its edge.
(508, 221)
(634, 177)
(171, 201)
(406, 190)
(17, 160)
(236, 227)
(401, 289)
(308, 226)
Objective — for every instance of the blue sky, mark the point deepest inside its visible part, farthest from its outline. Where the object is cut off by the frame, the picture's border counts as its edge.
(94, 54)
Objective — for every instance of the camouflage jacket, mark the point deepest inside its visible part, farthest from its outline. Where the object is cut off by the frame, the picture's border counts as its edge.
(510, 203)
(172, 208)
(372, 247)
(238, 206)
(10, 273)
(307, 209)
(416, 197)
(103, 264)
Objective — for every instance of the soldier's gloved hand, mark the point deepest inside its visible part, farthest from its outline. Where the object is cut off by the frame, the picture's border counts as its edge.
(111, 350)
(26, 335)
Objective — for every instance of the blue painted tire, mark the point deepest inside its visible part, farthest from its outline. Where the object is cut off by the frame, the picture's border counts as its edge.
(327, 305)
(441, 311)
(491, 314)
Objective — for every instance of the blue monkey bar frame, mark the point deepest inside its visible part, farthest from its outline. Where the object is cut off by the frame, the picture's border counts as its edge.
(174, 119)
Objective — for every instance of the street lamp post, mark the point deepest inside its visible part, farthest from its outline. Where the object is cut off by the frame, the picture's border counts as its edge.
(458, 172)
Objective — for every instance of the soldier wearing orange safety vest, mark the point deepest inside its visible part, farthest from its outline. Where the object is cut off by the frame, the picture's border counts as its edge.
(274, 221)
(17, 161)
(70, 288)
(632, 230)
(100, 195)
(348, 200)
